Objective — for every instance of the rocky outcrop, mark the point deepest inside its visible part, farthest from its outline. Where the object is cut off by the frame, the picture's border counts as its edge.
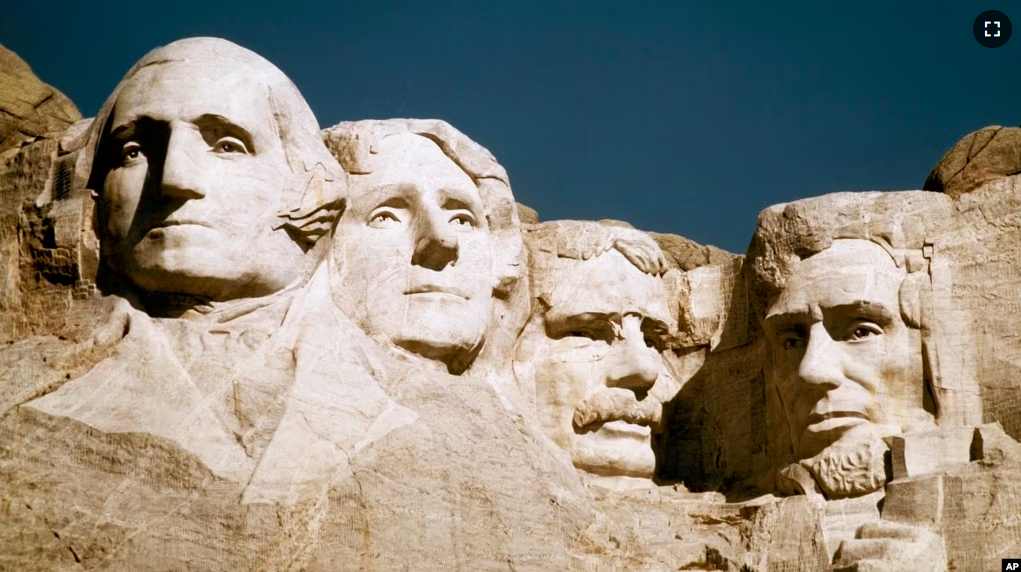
(985, 155)
(527, 214)
(687, 254)
(29, 107)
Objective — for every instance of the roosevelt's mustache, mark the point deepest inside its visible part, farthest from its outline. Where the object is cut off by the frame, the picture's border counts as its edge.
(615, 404)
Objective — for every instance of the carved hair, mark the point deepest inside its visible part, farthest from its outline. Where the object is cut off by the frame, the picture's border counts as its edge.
(582, 240)
(354, 142)
(315, 194)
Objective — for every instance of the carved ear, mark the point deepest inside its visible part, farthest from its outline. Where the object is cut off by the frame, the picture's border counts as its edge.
(508, 261)
(678, 297)
(312, 203)
(503, 282)
(915, 293)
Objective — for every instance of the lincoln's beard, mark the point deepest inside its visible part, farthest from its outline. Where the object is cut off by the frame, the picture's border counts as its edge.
(853, 466)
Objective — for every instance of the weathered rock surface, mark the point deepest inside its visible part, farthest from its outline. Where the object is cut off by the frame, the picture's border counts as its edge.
(274, 431)
(527, 214)
(956, 286)
(687, 254)
(985, 155)
(29, 107)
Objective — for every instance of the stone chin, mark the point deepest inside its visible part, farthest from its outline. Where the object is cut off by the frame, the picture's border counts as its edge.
(187, 269)
(616, 449)
(446, 328)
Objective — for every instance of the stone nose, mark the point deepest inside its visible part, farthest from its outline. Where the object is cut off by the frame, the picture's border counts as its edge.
(182, 177)
(821, 365)
(632, 364)
(436, 241)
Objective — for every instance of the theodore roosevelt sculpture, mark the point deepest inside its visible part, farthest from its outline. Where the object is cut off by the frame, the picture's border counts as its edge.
(590, 353)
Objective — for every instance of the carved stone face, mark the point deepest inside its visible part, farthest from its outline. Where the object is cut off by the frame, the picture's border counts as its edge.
(599, 377)
(196, 173)
(412, 252)
(843, 358)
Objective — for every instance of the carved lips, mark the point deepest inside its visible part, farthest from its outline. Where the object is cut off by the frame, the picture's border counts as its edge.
(158, 228)
(835, 420)
(171, 222)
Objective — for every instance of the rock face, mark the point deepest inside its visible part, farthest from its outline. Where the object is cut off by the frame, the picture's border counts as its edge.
(985, 155)
(589, 360)
(527, 214)
(373, 358)
(29, 107)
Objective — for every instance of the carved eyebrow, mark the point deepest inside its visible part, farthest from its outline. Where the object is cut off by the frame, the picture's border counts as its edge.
(112, 143)
(125, 131)
(204, 123)
(388, 195)
(456, 198)
(864, 308)
(775, 323)
(212, 121)
(392, 200)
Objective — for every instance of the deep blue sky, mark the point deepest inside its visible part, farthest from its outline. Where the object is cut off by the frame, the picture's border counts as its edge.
(676, 116)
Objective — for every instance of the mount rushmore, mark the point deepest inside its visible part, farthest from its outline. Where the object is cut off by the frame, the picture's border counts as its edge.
(236, 340)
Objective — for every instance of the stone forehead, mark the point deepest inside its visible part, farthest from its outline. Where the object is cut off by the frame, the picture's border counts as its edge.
(850, 255)
(848, 270)
(901, 223)
(554, 246)
(405, 151)
(606, 283)
(356, 144)
(407, 158)
(900, 219)
(208, 50)
(179, 90)
(211, 58)
(297, 126)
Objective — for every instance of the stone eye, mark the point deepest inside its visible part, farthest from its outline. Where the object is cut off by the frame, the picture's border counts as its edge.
(131, 152)
(463, 222)
(790, 342)
(230, 145)
(601, 333)
(383, 219)
(864, 331)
